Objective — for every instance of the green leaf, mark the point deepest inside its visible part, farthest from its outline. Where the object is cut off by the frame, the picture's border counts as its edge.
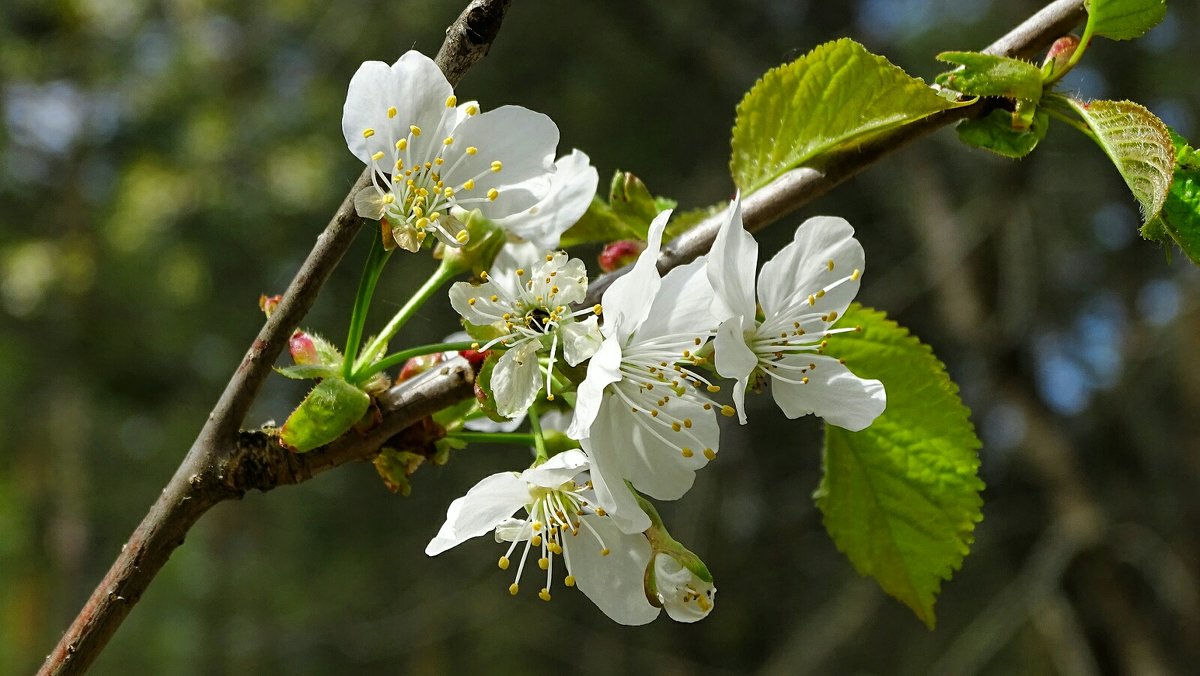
(307, 371)
(1138, 143)
(995, 133)
(329, 410)
(837, 94)
(483, 384)
(1180, 217)
(628, 214)
(987, 75)
(1124, 19)
(901, 498)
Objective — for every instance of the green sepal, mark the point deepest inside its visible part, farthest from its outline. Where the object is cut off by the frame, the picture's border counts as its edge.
(995, 132)
(1124, 19)
(988, 75)
(329, 410)
(598, 224)
(327, 352)
(483, 384)
(632, 202)
(481, 332)
(1180, 215)
(308, 371)
(901, 498)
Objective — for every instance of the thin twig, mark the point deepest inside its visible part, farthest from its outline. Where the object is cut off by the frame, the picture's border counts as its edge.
(203, 479)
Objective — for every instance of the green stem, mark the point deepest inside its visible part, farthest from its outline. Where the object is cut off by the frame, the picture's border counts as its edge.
(539, 442)
(362, 301)
(523, 438)
(404, 355)
(443, 274)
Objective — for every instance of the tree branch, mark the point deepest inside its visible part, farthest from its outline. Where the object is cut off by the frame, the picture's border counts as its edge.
(223, 463)
(217, 464)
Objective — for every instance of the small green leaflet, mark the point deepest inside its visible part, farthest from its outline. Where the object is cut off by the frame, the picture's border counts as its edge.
(987, 75)
(901, 498)
(329, 410)
(837, 94)
(995, 132)
(1124, 19)
(1138, 143)
(626, 215)
(1180, 217)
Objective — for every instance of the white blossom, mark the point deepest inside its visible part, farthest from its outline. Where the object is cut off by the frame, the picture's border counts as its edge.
(561, 521)
(640, 414)
(683, 594)
(802, 292)
(428, 154)
(568, 194)
(526, 299)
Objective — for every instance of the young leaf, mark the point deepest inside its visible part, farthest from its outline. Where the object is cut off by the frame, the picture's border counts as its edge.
(598, 224)
(836, 94)
(901, 498)
(995, 133)
(627, 215)
(987, 75)
(1180, 217)
(331, 408)
(1138, 143)
(1124, 19)
(307, 371)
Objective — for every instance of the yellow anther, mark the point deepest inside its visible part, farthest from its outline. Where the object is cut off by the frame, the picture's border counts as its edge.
(687, 422)
(420, 236)
(830, 265)
(471, 150)
(727, 411)
(402, 144)
(469, 184)
(555, 547)
(451, 101)
(439, 162)
(391, 112)
(483, 275)
(368, 132)
(415, 130)
(676, 426)
(804, 380)
(554, 289)
(377, 156)
(537, 526)
(389, 198)
(449, 140)
(821, 293)
(462, 237)
(856, 274)
(543, 563)
(474, 346)
(550, 397)
(495, 298)
(497, 165)
(597, 309)
(472, 109)
(492, 194)
(605, 552)
(708, 407)
(544, 594)
(549, 257)
(514, 588)
(536, 540)
(470, 301)
(833, 315)
(812, 300)
(687, 353)
(697, 341)
(520, 272)
(569, 580)
(686, 452)
(422, 223)
(600, 512)
(448, 192)
(710, 453)
(653, 412)
(503, 563)
(714, 388)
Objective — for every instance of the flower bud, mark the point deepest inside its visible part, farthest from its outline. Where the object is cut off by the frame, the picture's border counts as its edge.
(1059, 55)
(303, 349)
(418, 365)
(617, 255)
(680, 583)
(268, 303)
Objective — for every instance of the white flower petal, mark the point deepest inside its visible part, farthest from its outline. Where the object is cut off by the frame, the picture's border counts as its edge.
(474, 302)
(581, 340)
(685, 597)
(614, 582)
(568, 194)
(486, 505)
(611, 492)
(512, 530)
(516, 379)
(557, 470)
(520, 139)
(682, 306)
(732, 262)
(802, 268)
(627, 301)
(649, 453)
(603, 369)
(414, 86)
(832, 392)
(735, 359)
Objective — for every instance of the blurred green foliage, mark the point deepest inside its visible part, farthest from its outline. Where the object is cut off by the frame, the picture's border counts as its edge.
(164, 163)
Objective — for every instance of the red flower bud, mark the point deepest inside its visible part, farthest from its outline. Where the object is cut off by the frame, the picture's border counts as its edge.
(303, 350)
(268, 303)
(618, 254)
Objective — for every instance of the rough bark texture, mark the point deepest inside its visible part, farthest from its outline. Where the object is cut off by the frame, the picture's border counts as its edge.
(224, 463)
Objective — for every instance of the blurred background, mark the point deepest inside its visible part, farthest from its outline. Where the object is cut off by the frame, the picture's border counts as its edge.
(164, 163)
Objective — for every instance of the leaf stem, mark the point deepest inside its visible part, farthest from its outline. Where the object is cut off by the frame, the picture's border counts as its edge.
(362, 301)
(404, 355)
(444, 273)
(523, 438)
